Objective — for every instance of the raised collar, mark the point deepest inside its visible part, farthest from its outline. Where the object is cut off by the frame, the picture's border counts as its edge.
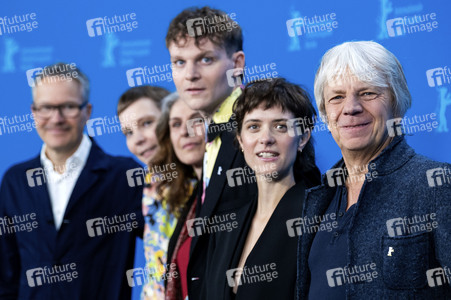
(225, 111)
(393, 157)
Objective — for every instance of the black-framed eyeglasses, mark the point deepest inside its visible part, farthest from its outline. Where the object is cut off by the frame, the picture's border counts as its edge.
(67, 110)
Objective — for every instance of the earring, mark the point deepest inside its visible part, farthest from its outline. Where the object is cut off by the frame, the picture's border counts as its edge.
(242, 150)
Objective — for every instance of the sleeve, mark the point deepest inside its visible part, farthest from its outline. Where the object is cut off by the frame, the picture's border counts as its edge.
(9, 253)
(442, 237)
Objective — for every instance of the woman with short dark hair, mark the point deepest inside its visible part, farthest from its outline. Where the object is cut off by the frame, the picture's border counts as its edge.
(256, 258)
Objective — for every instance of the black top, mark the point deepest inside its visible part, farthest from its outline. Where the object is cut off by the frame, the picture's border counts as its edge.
(220, 198)
(328, 255)
(270, 268)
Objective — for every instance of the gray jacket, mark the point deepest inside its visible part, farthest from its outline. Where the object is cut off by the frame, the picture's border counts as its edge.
(400, 232)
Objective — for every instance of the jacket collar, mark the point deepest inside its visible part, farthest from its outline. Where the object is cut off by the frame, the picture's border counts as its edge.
(393, 157)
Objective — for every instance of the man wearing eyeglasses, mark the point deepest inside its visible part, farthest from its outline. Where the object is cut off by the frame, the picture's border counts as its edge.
(69, 217)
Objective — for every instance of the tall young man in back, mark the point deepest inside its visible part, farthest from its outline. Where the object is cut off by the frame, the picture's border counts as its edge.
(206, 49)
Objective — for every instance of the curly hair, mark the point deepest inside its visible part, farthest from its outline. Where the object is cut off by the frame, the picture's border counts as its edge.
(177, 191)
(225, 32)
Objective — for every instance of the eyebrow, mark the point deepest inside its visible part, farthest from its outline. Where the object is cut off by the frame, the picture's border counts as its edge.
(340, 91)
(337, 91)
(192, 116)
(202, 54)
(44, 102)
(257, 120)
(252, 120)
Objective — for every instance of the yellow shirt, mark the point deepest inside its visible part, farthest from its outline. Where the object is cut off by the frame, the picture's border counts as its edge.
(222, 115)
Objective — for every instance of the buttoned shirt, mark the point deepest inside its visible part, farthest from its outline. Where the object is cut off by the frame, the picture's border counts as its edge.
(60, 186)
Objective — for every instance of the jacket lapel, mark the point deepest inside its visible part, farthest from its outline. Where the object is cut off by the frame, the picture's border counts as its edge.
(224, 160)
(89, 176)
(40, 200)
(316, 202)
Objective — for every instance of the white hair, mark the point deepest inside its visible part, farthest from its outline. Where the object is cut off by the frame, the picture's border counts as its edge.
(366, 61)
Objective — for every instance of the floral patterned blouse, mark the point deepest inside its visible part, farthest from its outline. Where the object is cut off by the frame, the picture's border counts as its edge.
(158, 228)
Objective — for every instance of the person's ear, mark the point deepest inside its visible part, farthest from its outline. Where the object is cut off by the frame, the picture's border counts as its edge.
(88, 111)
(304, 140)
(238, 137)
(238, 60)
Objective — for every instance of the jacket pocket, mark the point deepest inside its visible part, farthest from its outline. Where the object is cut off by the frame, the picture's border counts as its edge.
(405, 261)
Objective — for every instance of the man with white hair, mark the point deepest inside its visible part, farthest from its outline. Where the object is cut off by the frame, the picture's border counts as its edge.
(391, 207)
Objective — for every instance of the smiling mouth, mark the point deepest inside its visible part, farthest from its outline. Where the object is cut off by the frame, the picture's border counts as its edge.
(151, 149)
(57, 129)
(267, 154)
(356, 126)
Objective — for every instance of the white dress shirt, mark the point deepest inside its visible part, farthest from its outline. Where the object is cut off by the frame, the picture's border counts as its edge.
(60, 186)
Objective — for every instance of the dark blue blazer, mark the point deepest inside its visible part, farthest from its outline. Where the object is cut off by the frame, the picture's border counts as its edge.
(31, 247)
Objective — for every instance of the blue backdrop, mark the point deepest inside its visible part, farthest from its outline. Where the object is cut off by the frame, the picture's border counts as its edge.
(276, 41)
